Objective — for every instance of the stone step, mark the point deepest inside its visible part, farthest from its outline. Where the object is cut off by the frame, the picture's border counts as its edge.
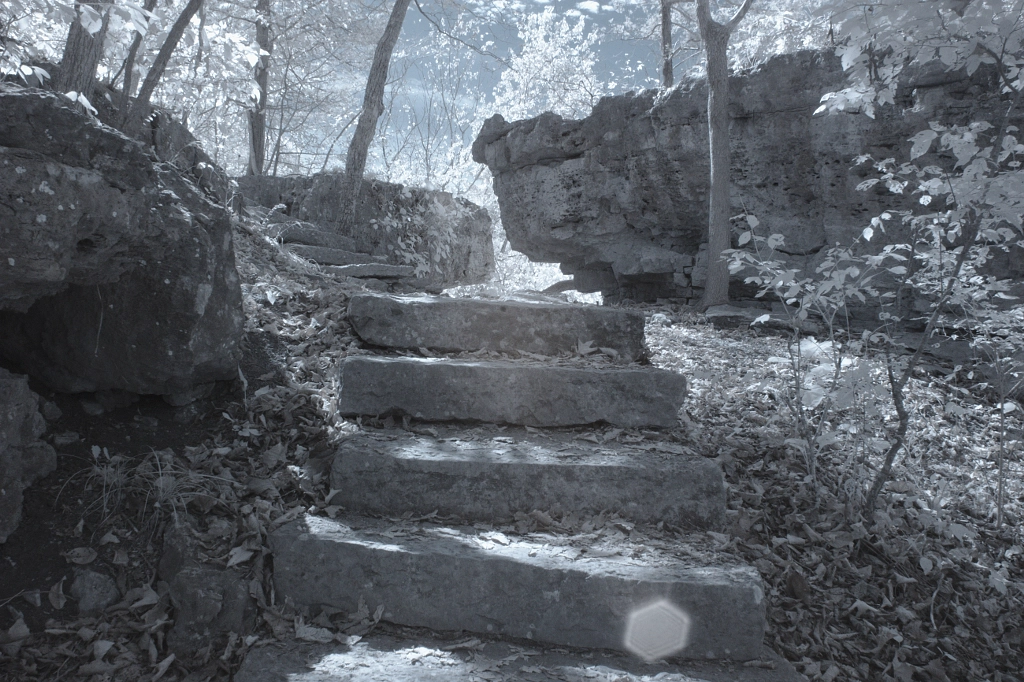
(509, 393)
(374, 270)
(391, 654)
(459, 324)
(492, 478)
(328, 256)
(298, 232)
(690, 602)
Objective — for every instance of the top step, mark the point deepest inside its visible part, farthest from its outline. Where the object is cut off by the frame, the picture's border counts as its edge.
(454, 324)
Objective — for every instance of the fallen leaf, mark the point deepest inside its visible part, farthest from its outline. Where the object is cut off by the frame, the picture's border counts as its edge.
(862, 607)
(57, 598)
(100, 648)
(109, 538)
(162, 667)
(797, 586)
(149, 598)
(936, 671)
(81, 555)
(311, 633)
(239, 555)
(471, 643)
(542, 517)
(120, 557)
(11, 641)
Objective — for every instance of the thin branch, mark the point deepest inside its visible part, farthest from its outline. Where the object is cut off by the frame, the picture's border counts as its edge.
(446, 33)
(738, 17)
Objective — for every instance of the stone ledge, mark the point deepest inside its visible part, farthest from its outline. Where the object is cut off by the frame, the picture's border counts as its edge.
(451, 324)
(491, 479)
(509, 393)
(450, 579)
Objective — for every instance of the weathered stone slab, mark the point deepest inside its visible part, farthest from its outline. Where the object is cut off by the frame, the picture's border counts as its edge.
(448, 579)
(493, 478)
(453, 324)
(328, 256)
(509, 393)
(298, 232)
(376, 270)
(423, 657)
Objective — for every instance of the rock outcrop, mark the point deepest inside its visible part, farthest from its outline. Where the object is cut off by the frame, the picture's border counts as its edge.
(620, 197)
(446, 239)
(23, 456)
(115, 271)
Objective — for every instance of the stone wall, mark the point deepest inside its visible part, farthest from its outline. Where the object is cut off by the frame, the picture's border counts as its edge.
(446, 238)
(116, 271)
(620, 197)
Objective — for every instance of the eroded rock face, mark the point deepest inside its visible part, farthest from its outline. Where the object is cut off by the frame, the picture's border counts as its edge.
(115, 272)
(447, 239)
(620, 197)
(23, 456)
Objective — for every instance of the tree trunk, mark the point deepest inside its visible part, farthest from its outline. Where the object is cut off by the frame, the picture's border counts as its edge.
(261, 73)
(716, 46)
(133, 122)
(373, 106)
(129, 69)
(666, 44)
(82, 54)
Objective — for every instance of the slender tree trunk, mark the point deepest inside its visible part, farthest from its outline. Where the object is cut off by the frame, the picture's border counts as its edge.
(258, 113)
(373, 106)
(666, 44)
(82, 53)
(129, 68)
(716, 47)
(133, 123)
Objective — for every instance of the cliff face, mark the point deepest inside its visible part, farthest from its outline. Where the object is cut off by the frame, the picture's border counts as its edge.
(620, 197)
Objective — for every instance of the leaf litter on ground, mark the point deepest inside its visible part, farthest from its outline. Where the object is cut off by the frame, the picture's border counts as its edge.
(926, 589)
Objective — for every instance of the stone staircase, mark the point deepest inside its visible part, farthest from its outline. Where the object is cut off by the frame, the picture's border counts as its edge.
(529, 594)
(338, 254)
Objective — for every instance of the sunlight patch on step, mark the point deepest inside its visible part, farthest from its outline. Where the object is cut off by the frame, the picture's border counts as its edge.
(412, 663)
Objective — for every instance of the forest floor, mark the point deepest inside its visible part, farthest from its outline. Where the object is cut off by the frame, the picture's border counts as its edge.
(928, 588)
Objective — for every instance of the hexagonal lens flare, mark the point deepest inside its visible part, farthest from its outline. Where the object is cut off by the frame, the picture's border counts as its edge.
(657, 631)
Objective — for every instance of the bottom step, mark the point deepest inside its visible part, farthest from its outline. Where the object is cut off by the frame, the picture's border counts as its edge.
(690, 603)
(422, 657)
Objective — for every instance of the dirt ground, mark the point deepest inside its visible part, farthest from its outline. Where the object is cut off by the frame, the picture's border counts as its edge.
(926, 589)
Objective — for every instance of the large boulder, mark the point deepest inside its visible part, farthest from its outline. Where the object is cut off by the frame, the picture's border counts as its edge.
(23, 456)
(447, 239)
(620, 198)
(115, 271)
